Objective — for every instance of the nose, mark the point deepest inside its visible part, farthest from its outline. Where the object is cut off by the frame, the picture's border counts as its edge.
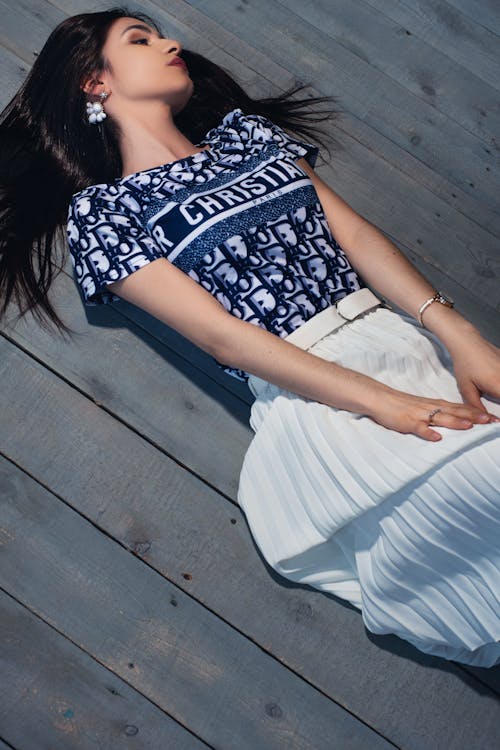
(171, 46)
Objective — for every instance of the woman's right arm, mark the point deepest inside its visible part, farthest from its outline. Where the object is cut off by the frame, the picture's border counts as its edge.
(173, 297)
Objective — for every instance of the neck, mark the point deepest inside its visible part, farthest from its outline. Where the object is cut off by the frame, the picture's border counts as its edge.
(150, 138)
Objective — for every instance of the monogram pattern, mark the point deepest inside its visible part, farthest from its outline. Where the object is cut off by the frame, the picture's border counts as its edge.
(241, 218)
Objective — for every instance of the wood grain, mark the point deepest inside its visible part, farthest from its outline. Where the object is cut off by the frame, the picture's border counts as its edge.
(184, 659)
(60, 696)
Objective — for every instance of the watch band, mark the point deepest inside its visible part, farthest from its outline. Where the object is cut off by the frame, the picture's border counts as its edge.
(438, 297)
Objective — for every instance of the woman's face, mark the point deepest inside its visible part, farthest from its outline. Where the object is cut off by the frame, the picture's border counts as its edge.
(144, 67)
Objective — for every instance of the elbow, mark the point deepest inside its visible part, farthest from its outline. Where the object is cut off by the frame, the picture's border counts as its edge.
(216, 337)
(221, 350)
(229, 342)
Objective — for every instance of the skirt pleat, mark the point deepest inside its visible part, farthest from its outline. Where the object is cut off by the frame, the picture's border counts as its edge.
(404, 529)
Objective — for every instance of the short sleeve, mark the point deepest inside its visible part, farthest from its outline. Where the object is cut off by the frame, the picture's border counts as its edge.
(106, 243)
(261, 129)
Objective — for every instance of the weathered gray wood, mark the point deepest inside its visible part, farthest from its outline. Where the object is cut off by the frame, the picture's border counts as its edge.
(414, 124)
(420, 68)
(191, 664)
(392, 159)
(41, 22)
(184, 530)
(451, 32)
(24, 26)
(13, 70)
(53, 694)
(144, 384)
(191, 354)
(485, 12)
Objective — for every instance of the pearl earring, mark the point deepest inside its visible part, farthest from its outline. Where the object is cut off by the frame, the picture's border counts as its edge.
(95, 110)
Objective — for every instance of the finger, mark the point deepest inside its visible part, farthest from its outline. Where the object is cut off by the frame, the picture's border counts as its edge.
(473, 415)
(463, 411)
(472, 396)
(427, 433)
(459, 417)
(454, 421)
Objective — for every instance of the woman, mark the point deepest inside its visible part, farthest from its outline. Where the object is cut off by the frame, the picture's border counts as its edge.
(372, 473)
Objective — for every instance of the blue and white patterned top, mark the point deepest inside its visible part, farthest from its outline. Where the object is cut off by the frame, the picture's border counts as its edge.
(241, 218)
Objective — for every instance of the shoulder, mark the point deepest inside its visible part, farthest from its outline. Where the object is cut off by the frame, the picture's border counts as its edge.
(85, 200)
(98, 199)
(252, 133)
(236, 125)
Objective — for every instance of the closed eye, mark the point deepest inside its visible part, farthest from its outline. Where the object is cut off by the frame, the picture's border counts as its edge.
(140, 41)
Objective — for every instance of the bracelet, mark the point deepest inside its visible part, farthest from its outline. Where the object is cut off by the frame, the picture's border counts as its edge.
(438, 297)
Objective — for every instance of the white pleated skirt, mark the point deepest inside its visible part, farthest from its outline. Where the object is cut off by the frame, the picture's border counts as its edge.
(406, 530)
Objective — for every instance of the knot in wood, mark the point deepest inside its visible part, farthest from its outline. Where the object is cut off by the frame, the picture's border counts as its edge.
(274, 710)
(141, 548)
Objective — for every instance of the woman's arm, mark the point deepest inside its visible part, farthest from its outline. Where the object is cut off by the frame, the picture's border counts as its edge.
(173, 297)
(379, 262)
(384, 267)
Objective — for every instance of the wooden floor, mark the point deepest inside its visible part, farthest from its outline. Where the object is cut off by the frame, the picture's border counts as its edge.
(136, 610)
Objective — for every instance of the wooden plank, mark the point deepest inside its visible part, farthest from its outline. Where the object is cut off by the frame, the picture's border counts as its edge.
(13, 70)
(414, 124)
(145, 384)
(42, 16)
(53, 694)
(484, 12)
(446, 29)
(25, 33)
(424, 71)
(196, 357)
(391, 157)
(191, 664)
(182, 529)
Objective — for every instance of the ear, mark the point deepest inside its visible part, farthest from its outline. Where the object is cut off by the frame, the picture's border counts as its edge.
(93, 85)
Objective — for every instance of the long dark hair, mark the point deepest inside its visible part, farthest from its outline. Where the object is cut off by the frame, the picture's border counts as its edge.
(48, 151)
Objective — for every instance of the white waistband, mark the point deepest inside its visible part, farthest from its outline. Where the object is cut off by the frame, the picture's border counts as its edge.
(321, 324)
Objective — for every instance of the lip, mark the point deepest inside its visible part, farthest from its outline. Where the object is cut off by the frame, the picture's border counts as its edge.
(178, 61)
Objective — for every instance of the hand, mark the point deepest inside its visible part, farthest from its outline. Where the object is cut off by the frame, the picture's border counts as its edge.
(477, 370)
(406, 413)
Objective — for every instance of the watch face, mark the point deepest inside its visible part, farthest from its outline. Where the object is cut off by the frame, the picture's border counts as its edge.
(446, 300)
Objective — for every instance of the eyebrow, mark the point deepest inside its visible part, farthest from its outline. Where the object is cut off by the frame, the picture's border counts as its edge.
(139, 26)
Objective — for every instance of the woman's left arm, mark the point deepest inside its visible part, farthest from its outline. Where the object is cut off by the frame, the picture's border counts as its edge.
(379, 262)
